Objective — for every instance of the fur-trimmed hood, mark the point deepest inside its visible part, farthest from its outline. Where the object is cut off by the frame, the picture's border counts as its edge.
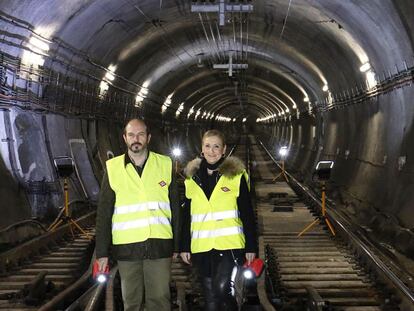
(230, 167)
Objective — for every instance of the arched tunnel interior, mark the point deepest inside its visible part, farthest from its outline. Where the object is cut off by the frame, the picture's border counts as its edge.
(331, 80)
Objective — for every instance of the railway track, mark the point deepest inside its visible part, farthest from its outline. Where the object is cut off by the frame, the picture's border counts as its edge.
(38, 270)
(317, 270)
(322, 263)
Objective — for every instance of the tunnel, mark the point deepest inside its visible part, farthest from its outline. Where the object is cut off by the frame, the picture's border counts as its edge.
(329, 80)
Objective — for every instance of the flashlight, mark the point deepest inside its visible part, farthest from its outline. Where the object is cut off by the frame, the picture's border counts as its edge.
(248, 273)
(100, 276)
(254, 269)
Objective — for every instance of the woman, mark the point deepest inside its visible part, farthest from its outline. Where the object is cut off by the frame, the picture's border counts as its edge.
(219, 223)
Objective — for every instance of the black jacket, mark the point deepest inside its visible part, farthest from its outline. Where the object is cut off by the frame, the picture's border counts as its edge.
(149, 249)
(230, 166)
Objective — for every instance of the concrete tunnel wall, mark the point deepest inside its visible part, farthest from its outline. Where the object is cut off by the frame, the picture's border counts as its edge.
(372, 146)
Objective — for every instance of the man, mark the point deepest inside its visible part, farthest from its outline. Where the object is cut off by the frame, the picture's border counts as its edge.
(138, 214)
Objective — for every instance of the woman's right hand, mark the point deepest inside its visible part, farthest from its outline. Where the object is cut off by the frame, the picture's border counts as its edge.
(102, 263)
(186, 257)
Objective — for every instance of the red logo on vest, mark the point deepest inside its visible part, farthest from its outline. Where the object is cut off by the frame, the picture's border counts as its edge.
(162, 183)
(225, 189)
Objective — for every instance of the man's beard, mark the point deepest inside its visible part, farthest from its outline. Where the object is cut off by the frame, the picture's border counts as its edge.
(138, 150)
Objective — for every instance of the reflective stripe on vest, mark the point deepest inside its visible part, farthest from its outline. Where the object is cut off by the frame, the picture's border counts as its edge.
(142, 208)
(214, 216)
(215, 223)
(202, 234)
(140, 223)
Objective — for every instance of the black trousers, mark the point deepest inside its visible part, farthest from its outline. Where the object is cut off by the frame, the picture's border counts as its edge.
(215, 268)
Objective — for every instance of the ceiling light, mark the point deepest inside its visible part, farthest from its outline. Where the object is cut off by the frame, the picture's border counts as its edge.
(371, 80)
(365, 67)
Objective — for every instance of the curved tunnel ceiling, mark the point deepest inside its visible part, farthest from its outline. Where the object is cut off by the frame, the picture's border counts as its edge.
(297, 52)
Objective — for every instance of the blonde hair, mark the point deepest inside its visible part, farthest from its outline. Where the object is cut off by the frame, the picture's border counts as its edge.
(217, 133)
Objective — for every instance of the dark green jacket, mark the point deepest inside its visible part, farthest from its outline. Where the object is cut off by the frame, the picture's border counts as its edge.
(149, 249)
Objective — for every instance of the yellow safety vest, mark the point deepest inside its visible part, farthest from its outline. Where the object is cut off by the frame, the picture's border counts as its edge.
(215, 223)
(142, 207)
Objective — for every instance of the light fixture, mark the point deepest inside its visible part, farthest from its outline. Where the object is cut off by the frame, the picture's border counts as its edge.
(365, 67)
(166, 103)
(103, 87)
(176, 152)
(325, 88)
(109, 76)
(179, 109)
(38, 49)
(39, 45)
(283, 151)
(371, 80)
(110, 72)
(197, 114)
(323, 170)
(142, 94)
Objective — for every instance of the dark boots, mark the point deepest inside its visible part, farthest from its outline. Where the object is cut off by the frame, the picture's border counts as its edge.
(217, 296)
(212, 301)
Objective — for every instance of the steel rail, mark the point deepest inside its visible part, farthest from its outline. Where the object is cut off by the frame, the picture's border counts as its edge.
(69, 291)
(12, 257)
(261, 282)
(92, 297)
(362, 245)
